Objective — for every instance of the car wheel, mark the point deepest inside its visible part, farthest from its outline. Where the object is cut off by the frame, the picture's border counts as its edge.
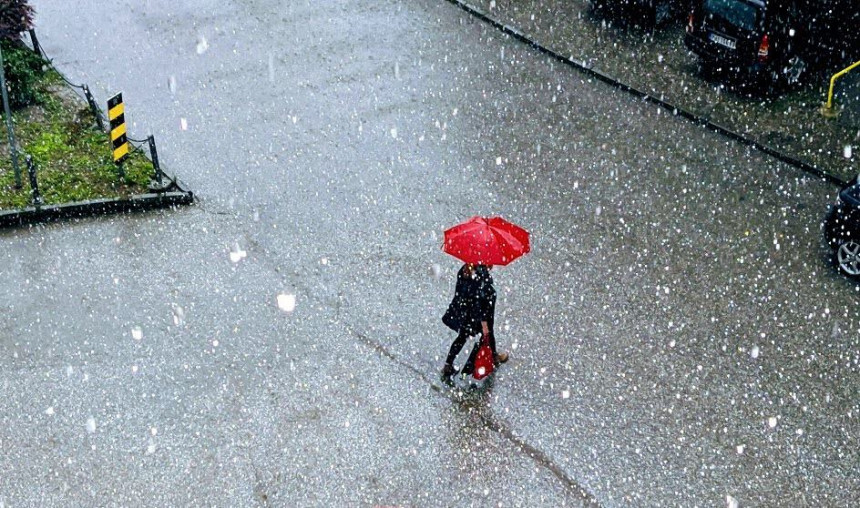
(793, 70)
(848, 257)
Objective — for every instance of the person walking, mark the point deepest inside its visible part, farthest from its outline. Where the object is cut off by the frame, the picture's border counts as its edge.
(472, 311)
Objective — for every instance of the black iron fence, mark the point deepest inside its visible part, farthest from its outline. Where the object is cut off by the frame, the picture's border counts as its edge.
(160, 182)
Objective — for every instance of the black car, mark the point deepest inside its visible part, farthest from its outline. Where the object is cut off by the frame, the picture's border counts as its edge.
(842, 228)
(648, 12)
(773, 41)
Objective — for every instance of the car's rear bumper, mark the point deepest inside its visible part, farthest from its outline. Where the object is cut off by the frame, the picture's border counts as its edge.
(715, 55)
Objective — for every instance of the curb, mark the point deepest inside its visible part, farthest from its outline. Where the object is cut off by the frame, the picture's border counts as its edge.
(81, 209)
(675, 110)
(168, 194)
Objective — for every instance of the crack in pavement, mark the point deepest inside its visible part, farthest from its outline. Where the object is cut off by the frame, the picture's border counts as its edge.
(490, 423)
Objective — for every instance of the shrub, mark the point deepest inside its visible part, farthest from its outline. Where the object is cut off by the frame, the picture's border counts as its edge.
(23, 69)
(16, 16)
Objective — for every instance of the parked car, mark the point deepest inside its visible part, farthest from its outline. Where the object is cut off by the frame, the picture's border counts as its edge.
(774, 42)
(652, 12)
(842, 228)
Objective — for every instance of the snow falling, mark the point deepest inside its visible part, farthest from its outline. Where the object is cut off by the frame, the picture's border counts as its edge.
(683, 330)
(287, 302)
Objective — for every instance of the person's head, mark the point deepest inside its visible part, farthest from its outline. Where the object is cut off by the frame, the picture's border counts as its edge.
(471, 268)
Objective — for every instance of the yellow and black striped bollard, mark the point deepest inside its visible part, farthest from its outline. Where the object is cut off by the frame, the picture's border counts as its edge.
(118, 138)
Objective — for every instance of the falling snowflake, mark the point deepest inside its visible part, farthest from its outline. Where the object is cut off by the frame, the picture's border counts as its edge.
(237, 254)
(437, 270)
(754, 352)
(178, 315)
(771, 422)
(91, 425)
(136, 333)
(202, 45)
(287, 302)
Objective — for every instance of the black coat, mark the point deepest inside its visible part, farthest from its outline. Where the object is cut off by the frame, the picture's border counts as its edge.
(474, 301)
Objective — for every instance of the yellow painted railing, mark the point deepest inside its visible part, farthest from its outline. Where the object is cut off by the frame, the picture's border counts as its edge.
(828, 107)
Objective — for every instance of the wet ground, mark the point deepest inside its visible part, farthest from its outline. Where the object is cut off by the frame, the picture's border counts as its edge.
(656, 61)
(678, 335)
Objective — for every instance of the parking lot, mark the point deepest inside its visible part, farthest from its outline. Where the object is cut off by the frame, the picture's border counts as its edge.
(657, 62)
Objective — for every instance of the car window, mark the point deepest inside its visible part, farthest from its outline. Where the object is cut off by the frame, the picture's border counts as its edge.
(736, 12)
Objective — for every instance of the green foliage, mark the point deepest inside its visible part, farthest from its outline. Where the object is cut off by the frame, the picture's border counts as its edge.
(73, 160)
(23, 70)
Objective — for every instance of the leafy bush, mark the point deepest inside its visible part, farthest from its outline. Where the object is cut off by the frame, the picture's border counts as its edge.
(23, 69)
(16, 16)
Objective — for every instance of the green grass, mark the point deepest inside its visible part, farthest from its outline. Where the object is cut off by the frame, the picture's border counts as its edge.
(73, 159)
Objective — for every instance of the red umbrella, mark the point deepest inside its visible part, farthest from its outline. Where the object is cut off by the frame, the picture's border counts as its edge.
(486, 241)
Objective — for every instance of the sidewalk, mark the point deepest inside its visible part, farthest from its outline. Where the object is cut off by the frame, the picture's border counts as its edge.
(658, 63)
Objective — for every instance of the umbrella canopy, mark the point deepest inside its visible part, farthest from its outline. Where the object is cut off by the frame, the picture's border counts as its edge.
(486, 241)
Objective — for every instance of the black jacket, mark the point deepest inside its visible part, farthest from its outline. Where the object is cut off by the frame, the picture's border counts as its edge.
(474, 301)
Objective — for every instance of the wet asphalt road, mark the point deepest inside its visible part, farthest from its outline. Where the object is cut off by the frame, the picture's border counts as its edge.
(677, 334)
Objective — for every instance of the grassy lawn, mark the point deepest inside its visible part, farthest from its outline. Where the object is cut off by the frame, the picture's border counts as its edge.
(73, 158)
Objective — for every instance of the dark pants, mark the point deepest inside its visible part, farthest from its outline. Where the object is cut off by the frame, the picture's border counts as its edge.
(457, 346)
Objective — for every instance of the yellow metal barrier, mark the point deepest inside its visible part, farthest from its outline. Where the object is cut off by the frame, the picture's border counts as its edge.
(828, 110)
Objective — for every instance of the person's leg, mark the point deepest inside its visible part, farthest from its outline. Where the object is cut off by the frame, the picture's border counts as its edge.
(456, 346)
(469, 366)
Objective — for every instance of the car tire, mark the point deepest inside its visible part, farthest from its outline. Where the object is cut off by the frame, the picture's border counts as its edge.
(848, 257)
(794, 70)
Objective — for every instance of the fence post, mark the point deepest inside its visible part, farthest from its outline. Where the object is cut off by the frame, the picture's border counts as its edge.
(34, 184)
(36, 47)
(10, 130)
(154, 154)
(94, 108)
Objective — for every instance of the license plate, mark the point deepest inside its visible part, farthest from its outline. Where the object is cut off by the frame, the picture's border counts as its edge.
(723, 41)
